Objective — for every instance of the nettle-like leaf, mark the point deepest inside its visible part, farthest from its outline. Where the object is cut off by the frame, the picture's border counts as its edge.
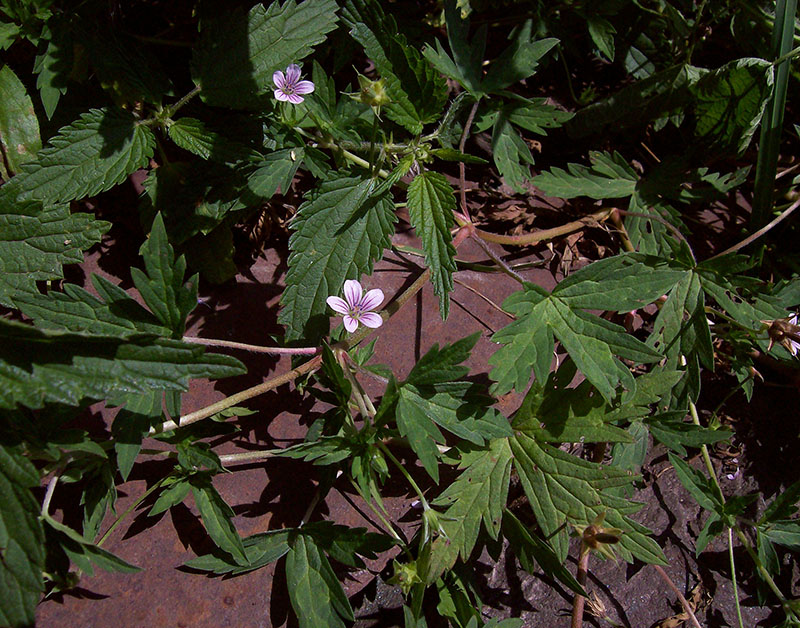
(35, 242)
(193, 135)
(433, 395)
(162, 288)
(54, 65)
(730, 102)
(38, 366)
(417, 92)
(563, 489)
(19, 128)
(91, 155)
(237, 55)
(431, 203)
(619, 283)
(478, 495)
(275, 172)
(21, 540)
(114, 313)
(609, 176)
(339, 232)
(314, 590)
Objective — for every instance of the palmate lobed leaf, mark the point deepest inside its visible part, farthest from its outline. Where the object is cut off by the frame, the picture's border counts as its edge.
(236, 56)
(35, 242)
(431, 203)
(478, 495)
(339, 232)
(91, 155)
(38, 366)
(21, 540)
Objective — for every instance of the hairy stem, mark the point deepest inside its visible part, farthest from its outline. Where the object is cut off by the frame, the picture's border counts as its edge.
(130, 509)
(213, 342)
(579, 601)
(542, 235)
(684, 603)
(461, 165)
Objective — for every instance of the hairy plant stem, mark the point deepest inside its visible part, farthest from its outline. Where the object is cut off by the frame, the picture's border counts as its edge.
(498, 260)
(386, 523)
(461, 165)
(578, 602)
(388, 453)
(175, 107)
(213, 342)
(48, 496)
(751, 238)
(762, 570)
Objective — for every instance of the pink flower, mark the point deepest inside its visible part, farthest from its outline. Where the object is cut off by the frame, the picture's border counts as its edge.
(357, 306)
(289, 86)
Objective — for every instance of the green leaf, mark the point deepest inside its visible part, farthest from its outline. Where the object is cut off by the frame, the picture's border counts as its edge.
(38, 366)
(192, 134)
(162, 288)
(730, 102)
(92, 155)
(432, 395)
(602, 33)
(784, 505)
(54, 66)
(315, 593)
(478, 495)
(609, 176)
(698, 485)
(466, 65)
(275, 172)
(84, 554)
(174, 493)
(785, 533)
(21, 540)
(511, 153)
(236, 55)
(535, 114)
(261, 549)
(518, 61)
(217, 516)
(19, 128)
(115, 314)
(564, 489)
(212, 254)
(35, 242)
(417, 92)
(532, 551)
(592, 342)
(431, 203)
(344, 544)
(339, 231)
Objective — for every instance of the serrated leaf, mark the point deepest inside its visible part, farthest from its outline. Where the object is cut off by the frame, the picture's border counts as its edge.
(339, 231)
(510, 153)
(261, 550)
(172, 495)
(517, 62)
(91, 155)
(193, 135)
(592, 342)
(35, 242)
(21, 540)
(38, 366)
(478, 495)
(416, 90)
(564, 489)
(217, 515)
(609, 176)
(730, 102)
(431, 203)
(54, 66)
(236, 56)
(315, 592)
(162, 288)
(784, 505)
(19, 128)
(344, 544)
(535, 114)
(677, 434)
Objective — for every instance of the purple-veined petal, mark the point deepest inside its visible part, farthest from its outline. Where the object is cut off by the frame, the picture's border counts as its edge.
(337, 305)
(352, 292)
(279, 95)
(372, 299)
(304, 87)
(279, 79)
(371, 319)
(295, 99)
(350, 324)
(293, 74)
